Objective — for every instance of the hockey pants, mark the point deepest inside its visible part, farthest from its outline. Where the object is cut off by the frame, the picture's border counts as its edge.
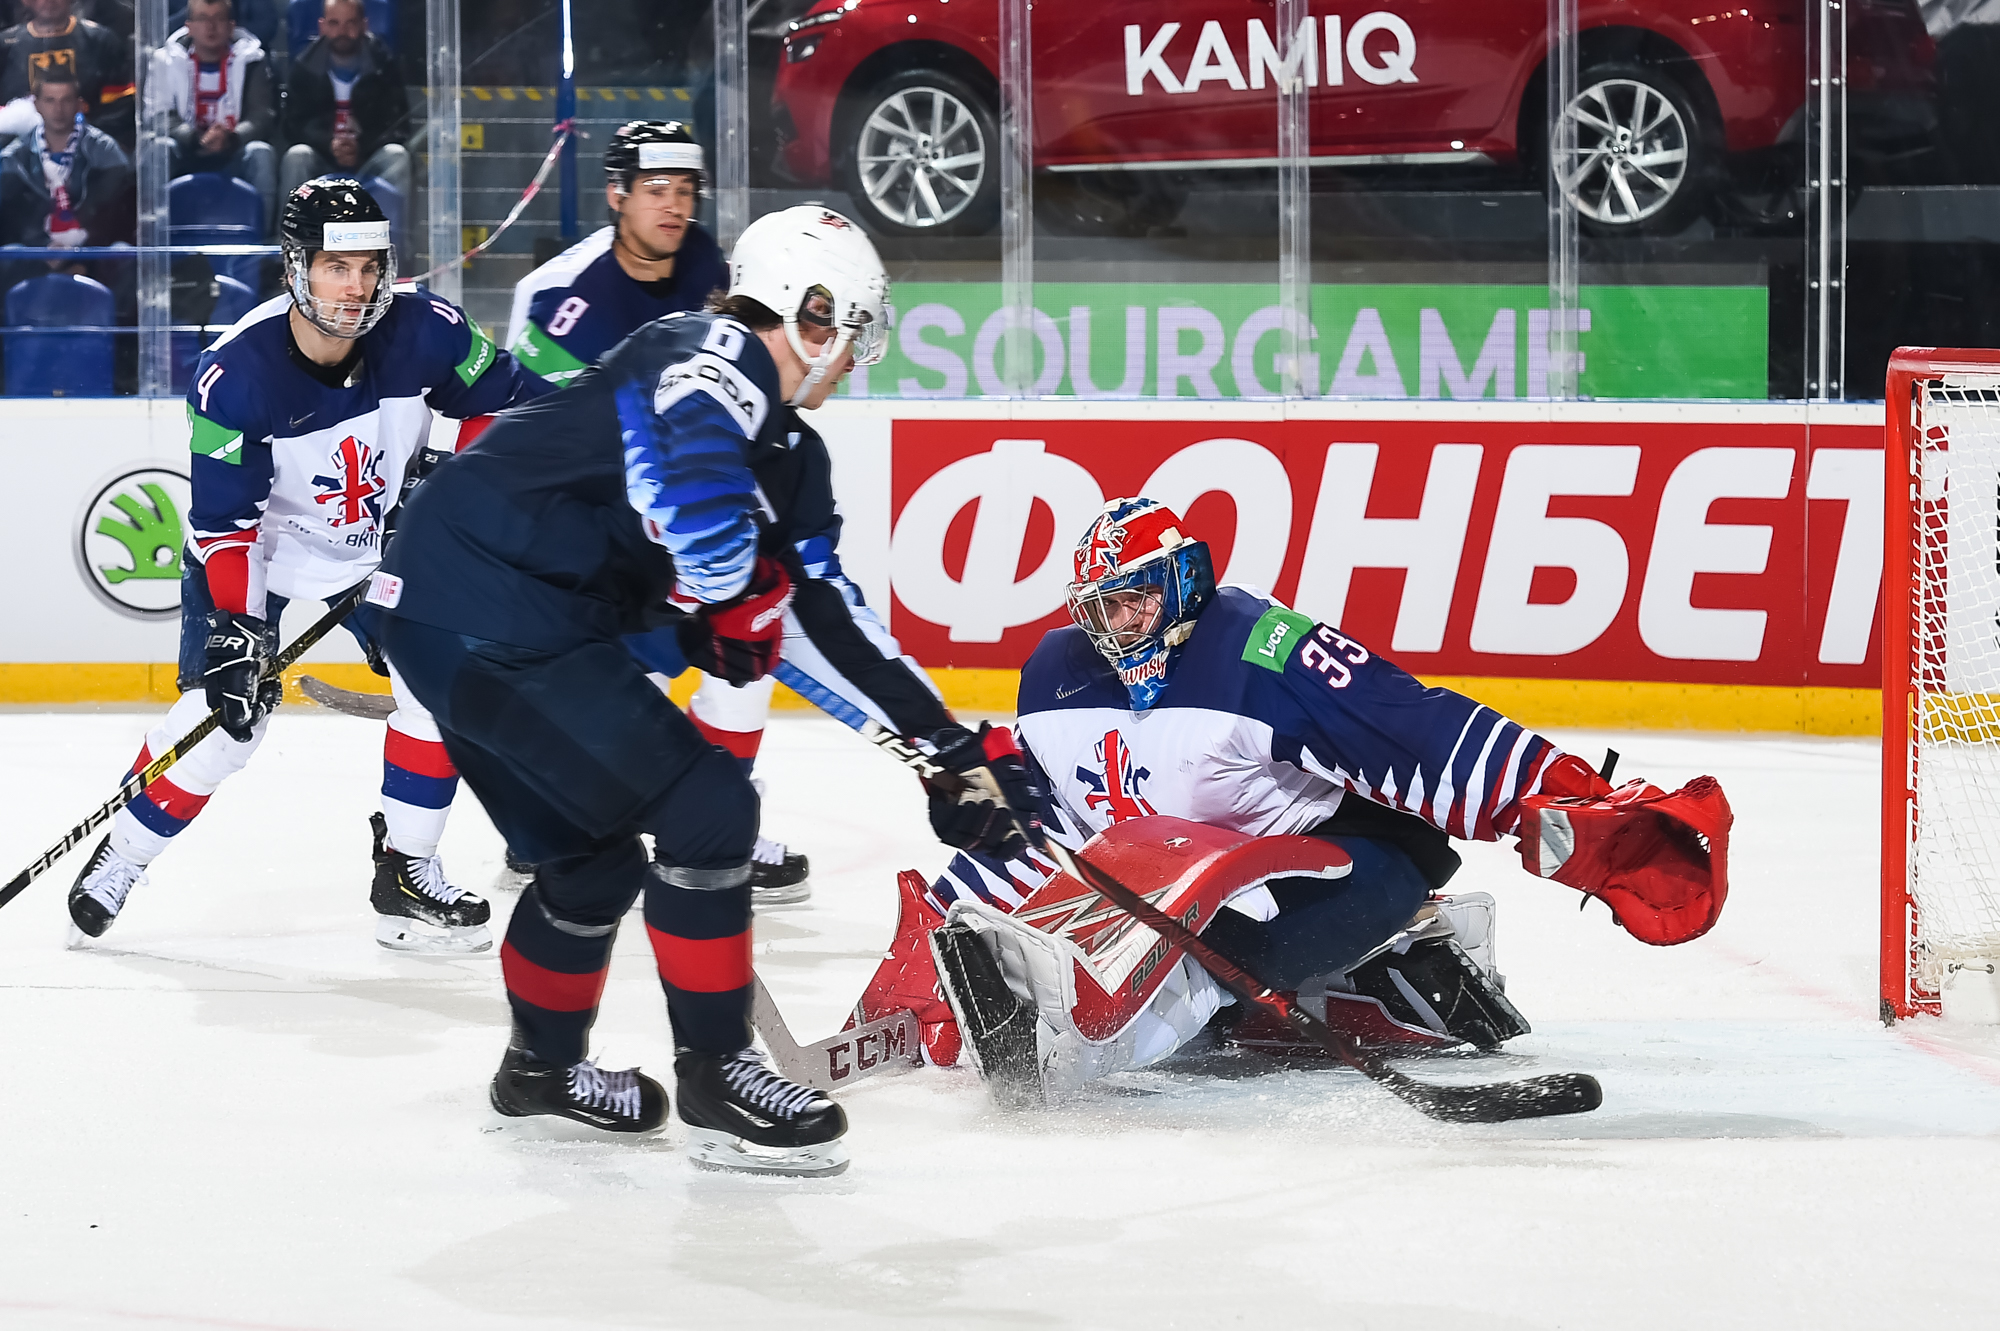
(418, 779)
(574, 755)
(1324, 926)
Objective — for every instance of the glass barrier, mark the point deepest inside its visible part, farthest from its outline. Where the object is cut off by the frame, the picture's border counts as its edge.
(624, 61)
(892, 114)
(1284, 199)
(1921, 224)
(1429, 231)
(1155, 206)
(1683, 157)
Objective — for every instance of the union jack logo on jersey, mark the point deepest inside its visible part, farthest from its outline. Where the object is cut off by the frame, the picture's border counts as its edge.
(1114, 787)
(356, 485)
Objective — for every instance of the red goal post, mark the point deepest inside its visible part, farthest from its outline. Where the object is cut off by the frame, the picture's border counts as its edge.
(1940, 674)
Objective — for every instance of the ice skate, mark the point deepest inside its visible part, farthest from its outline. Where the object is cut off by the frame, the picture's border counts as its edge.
(515, 874)
(743, 1116)
(623, 1101)
(777, 876)
(100, 892)
(417, 909)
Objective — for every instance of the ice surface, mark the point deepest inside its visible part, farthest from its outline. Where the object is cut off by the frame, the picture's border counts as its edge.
(237, 1111)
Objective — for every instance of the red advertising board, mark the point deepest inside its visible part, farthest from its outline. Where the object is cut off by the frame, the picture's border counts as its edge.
(1745, 552)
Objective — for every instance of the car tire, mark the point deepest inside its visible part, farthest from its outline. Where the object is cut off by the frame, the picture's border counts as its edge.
(920, 156)
(1645, 156)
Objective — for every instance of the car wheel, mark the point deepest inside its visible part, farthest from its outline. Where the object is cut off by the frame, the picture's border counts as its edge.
(923, 156)
(1643, 159)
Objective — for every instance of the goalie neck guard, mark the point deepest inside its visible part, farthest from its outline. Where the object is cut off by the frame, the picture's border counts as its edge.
(335, 213)
(813, 264)
(1140, 585)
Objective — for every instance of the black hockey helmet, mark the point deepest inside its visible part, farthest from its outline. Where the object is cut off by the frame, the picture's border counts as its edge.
(335, 213)
(653, 146)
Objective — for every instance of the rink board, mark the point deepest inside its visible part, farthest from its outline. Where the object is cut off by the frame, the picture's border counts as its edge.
(1682, 565)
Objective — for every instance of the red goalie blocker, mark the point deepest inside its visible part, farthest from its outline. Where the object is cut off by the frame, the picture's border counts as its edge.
(1660, 861)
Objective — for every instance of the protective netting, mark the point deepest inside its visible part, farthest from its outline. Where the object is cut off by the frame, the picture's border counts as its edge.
(1954, 869)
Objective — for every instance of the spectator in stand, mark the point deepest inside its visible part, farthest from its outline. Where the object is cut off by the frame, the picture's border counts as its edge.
(262, 19)
(212, 81)
(345, 106)
(65, 183)
(98, 60)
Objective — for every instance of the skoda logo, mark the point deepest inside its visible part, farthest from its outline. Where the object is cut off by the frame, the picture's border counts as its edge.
(129, 545)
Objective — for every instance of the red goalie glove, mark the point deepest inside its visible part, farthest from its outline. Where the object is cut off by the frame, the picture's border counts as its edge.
(1661, 862)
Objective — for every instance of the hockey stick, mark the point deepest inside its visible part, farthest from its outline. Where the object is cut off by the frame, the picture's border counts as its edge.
(139, 780)
(892, 1040)
(1491, 1102)
(348, 702)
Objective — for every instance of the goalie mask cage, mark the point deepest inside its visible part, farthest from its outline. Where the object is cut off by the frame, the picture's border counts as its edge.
(1940, 675)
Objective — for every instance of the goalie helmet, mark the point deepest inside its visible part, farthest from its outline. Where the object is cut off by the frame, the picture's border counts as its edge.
(811, 264)
(335, 213)
(652, 147)
(1140, 585)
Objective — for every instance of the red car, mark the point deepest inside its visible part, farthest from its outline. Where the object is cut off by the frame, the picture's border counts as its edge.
(1679, 103)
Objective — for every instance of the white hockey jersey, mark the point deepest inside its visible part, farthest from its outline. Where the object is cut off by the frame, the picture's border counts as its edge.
(292, 475)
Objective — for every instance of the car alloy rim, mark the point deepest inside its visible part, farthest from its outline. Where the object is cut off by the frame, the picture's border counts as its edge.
(1631, 152)
(922, 157)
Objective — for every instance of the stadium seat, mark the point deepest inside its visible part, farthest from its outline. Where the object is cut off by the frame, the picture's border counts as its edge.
(211, 209)
(59, 364)
(302, 22)
(233, 300)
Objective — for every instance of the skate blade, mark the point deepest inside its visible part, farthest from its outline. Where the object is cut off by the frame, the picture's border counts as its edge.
(710, 1149)
(765, 898)
(77, 939)
(401, 934)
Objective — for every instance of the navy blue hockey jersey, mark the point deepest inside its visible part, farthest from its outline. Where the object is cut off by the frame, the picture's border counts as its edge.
(573, 309)
(570, 519)
(1266, 723)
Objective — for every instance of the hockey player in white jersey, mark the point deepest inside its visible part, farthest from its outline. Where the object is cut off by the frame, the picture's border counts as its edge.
(1285, 792)
(654, 259)
(308, 420)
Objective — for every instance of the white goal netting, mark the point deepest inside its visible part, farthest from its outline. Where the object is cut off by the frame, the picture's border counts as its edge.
(1954, 868)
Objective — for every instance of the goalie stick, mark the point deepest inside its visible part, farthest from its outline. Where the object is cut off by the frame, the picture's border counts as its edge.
(1491, 1102)
(859, 1052)
(138, 781)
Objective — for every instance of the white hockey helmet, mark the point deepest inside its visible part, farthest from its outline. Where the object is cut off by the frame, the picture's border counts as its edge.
(786, 259)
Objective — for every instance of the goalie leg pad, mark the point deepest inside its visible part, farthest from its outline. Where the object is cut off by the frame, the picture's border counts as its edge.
(997, 1024)
(1430, 982)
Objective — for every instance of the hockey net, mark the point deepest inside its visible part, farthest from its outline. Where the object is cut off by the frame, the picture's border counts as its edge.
(1940, 676)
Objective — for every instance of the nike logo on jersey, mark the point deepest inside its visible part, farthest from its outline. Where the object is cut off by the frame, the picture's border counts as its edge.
(297, 421)
(1064, 693)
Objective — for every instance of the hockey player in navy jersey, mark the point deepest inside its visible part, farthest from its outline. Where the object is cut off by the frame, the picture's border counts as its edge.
(526, 592)
(653, 260)
(308, 420)
(1307, 790)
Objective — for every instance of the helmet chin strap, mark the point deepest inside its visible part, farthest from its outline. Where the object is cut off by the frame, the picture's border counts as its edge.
(816, 366)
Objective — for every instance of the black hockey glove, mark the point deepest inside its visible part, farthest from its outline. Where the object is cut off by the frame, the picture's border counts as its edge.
(238, 649)
(985, 800)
